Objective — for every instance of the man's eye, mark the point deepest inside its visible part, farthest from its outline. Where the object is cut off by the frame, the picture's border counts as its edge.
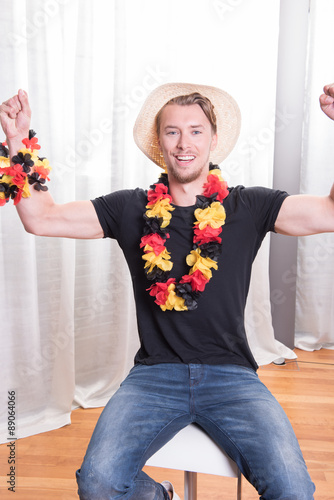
(196, 132)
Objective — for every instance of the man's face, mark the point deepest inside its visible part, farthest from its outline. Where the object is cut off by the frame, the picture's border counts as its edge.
(186, 140)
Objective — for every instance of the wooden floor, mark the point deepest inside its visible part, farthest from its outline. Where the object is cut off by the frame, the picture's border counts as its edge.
(305, 388)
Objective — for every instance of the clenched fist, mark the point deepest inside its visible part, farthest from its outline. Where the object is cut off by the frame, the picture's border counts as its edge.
(15, 115)
(327, 100)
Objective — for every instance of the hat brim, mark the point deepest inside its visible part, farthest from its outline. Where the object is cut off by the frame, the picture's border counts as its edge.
(225, 107)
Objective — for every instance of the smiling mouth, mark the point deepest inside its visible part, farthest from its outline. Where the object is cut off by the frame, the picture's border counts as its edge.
(185, 158)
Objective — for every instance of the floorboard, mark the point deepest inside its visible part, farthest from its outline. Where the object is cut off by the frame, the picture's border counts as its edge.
(46, 463)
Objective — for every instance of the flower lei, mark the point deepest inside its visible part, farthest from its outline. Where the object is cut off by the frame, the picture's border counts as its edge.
(27, 169)
(210, 217)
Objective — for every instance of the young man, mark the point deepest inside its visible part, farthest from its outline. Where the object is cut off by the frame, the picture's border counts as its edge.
(189, 243)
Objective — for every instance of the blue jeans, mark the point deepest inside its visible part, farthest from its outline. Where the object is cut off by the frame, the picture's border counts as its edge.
(228, 401)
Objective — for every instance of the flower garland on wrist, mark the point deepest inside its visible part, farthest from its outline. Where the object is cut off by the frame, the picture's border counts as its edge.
(210, 217)
(27, 168)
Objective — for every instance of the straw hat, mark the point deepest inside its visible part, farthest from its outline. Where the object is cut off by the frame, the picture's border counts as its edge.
(226, 110)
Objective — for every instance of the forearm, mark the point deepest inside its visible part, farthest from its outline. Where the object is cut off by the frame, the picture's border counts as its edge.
(302, 215)
(14, 145)
(33, 211)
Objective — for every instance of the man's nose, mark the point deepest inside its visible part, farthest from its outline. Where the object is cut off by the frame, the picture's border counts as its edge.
(183, 142)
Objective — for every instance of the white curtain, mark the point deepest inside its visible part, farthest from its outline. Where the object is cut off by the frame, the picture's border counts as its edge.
(315, 271)
(68, 333)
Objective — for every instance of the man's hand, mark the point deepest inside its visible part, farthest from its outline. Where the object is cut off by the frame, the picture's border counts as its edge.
(15, 117)
(327, 100)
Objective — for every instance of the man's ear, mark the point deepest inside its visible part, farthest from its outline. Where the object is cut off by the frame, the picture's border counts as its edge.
(214, 142)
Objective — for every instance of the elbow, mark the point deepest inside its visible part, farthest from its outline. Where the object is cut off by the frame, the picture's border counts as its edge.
(32, 227)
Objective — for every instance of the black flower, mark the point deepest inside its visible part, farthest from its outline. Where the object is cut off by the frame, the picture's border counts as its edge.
(10, 191)
(190, 297)
(157, 274)
(24, 160)
(204, 201)
(4, 151)
(211, 250)
(153, 225)
(37, 181)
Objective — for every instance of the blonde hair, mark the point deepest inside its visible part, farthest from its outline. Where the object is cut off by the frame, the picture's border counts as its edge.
(187, 100)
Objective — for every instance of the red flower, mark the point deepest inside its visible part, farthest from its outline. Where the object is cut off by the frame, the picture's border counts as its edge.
(159, 192)
(215, 185)
(43, 172)
(160, 291)
(31, 143)
(207, 235)
(5, 170)
(197, 281)
(4, 143)
(18, 197)
(16, 171)
(155, 241)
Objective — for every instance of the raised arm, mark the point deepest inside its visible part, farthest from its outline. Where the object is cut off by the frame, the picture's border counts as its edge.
(301, 215)
(39, 213)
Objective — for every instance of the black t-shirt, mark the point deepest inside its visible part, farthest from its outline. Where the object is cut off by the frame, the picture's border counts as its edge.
(214, 333)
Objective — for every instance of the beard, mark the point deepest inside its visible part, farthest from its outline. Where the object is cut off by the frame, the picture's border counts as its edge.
(187, 174)
(184, 177)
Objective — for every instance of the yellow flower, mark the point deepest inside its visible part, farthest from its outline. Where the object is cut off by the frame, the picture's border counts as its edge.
(43, 163)
(7, 179)
(161, 261)
(25, 151)
(203, 264)
(216, 172)
(4, 162)
(174, 301)
(161, 209)
(26, 190)
(213, 216)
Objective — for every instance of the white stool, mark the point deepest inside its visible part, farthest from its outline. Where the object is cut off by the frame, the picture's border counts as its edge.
(192, 451)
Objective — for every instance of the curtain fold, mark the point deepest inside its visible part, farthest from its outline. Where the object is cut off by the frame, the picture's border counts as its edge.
(37, 342)
(315, 270)
(70, 330)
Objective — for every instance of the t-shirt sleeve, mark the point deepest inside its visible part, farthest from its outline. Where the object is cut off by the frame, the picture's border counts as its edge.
(110, 209)
(264, 205)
